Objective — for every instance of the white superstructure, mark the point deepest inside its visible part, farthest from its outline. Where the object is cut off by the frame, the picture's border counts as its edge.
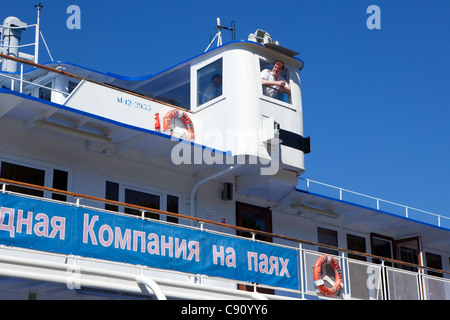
(180, 186)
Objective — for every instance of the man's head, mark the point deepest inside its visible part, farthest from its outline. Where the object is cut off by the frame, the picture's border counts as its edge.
(278, 67)
(216, 80)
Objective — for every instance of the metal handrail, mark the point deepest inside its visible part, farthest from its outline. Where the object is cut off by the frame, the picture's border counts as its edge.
(71, 75)
(378, 200)
(34, 84)
(205, 221)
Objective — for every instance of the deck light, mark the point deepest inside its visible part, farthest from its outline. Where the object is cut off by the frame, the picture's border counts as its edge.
(327, 213)
(71, 131)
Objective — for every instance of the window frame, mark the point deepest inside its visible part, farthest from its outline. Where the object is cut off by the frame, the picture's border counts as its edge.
(195, 68)
(256, 212)
(287, 69)
(162, 193)
(356, 238)
(322, 231)
(434, 260)
(141, 191)
(49, 172)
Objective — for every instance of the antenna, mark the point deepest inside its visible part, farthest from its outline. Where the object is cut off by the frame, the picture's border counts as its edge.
(218, 35)
(36, 45)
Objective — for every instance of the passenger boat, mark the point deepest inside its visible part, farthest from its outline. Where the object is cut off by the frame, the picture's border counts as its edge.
(188, 184)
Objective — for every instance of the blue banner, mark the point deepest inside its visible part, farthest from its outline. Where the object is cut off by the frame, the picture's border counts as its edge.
(53, 227)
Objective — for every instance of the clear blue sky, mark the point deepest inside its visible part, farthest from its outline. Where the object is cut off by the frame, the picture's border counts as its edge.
(375, 101)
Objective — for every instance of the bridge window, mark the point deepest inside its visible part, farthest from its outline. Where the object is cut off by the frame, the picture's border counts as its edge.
(173, 87)
(209, 81)
(274, 91)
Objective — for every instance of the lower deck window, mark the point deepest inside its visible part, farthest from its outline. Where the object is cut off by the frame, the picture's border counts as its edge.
(16, 172)
(328, 237)
(142, 199)
(433, 261)
(60, 179)
(113, 191)
(356, 243)
(172, 206)
(253, 217)
(23, 174)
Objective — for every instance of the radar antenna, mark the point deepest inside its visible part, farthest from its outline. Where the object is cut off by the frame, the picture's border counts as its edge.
(218, 35)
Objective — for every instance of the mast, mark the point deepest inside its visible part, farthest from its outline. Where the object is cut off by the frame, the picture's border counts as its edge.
(36, 45)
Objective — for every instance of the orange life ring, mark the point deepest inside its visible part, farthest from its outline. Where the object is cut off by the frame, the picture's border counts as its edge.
(318, 281)
(183, 116)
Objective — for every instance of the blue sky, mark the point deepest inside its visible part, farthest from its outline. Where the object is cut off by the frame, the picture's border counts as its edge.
(375, 101)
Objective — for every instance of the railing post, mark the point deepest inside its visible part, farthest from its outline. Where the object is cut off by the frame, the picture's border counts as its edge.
(383, 281)
(21, 78)
(422, 286)
(300, 273)
(345, 287)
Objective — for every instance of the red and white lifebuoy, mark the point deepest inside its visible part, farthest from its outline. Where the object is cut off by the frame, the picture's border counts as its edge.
(181, 115)
(318, 281)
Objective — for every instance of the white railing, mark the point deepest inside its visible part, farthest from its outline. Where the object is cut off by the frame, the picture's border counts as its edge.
(19, 78)
(34, 44)
(371, 202)
(18, 83)
(362, 279)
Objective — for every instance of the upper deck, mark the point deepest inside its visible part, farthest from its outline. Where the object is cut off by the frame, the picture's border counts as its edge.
(237, 118)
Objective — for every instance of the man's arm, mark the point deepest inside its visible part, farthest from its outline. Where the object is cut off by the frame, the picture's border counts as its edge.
(281, 83)
(285, 88)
